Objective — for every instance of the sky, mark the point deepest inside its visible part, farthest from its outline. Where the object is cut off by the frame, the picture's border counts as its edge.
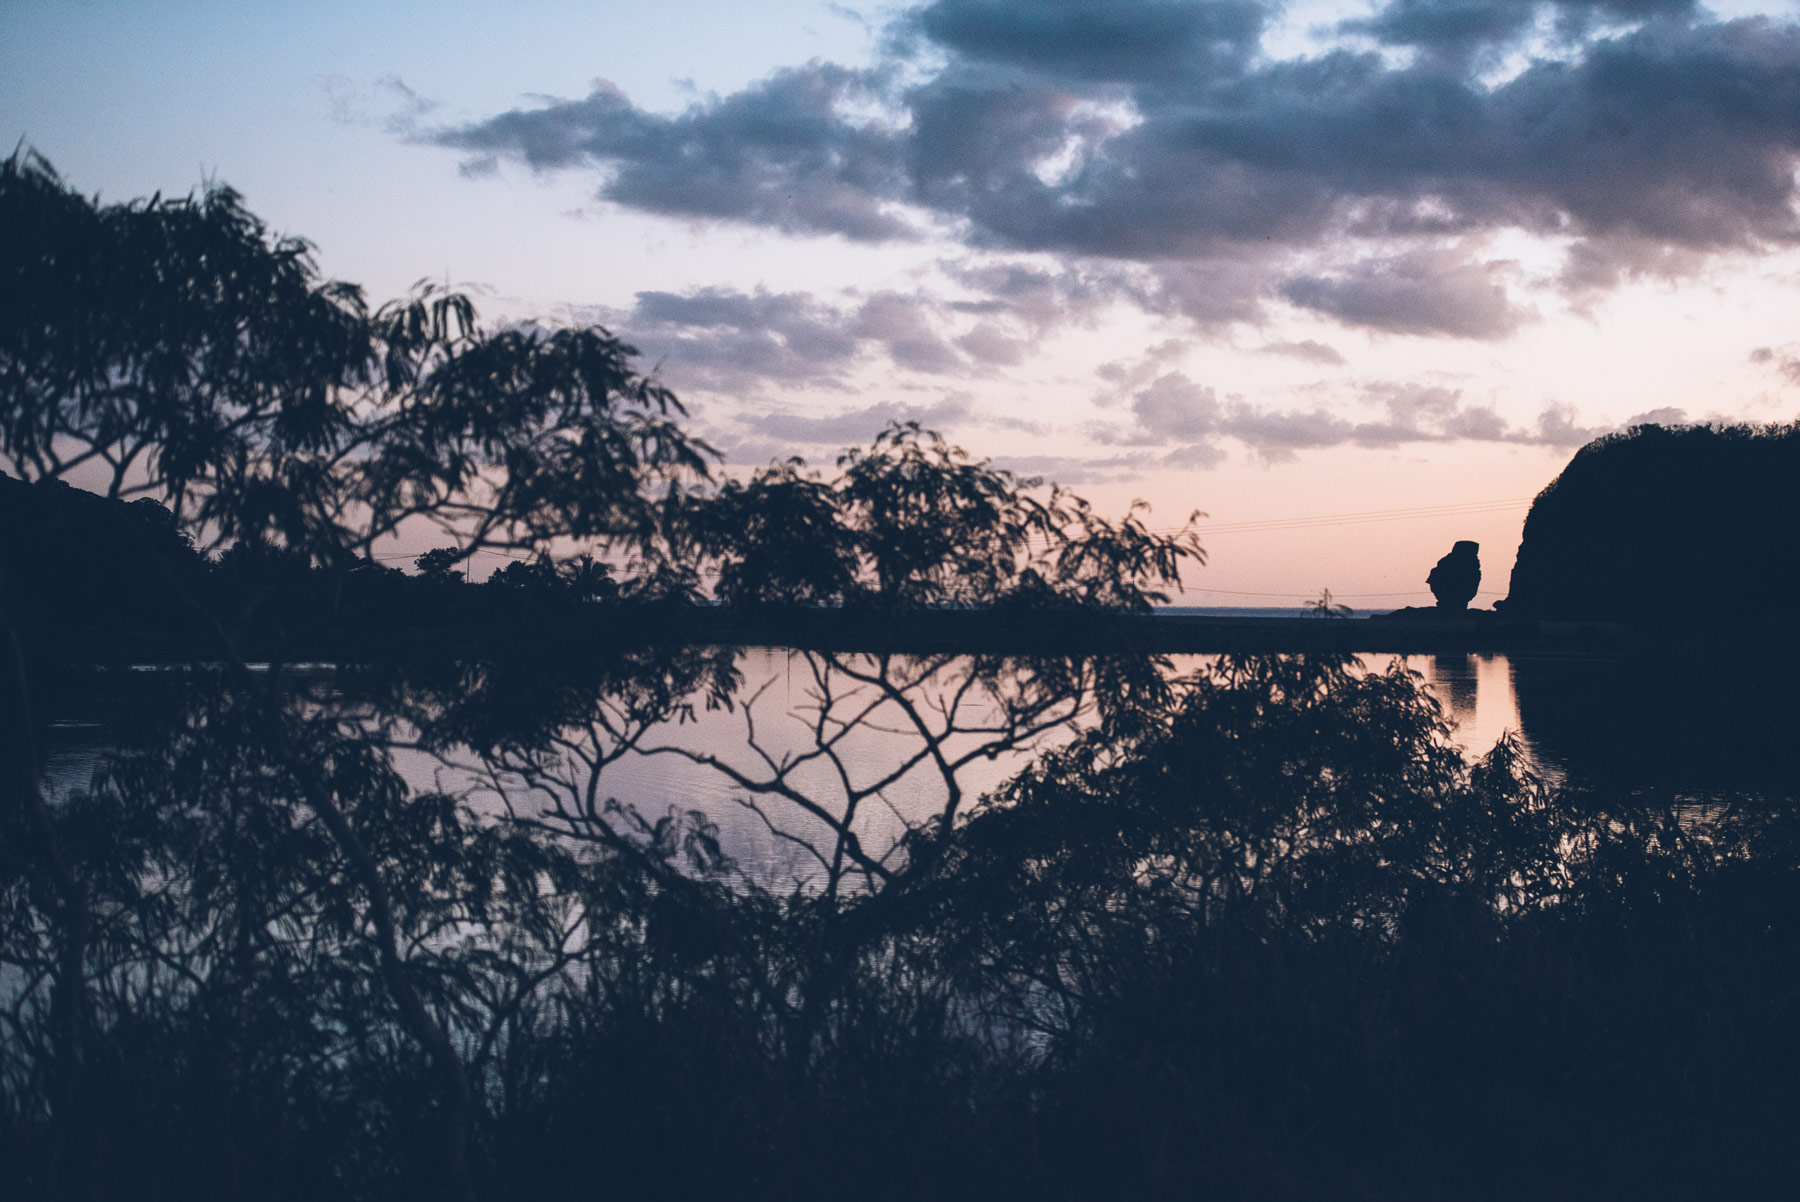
(1355, 280)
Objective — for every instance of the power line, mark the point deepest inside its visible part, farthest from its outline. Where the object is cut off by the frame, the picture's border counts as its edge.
(1467, 509)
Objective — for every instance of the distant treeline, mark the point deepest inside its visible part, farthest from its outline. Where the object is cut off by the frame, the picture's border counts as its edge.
(1659, 525)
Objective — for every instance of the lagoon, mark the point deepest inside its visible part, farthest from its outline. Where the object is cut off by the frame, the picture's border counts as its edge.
(803, 722)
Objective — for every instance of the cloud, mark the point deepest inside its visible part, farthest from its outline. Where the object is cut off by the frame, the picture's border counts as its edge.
(1175, 411)
(388, 104)
(1128, 373)
(1784, 361)
(983, 315)
(1432, 413)
(1038, 298)
(1450, 28)
(1422, 292)
(1666, 416)
(1074, 469)
(735, 342)
(1643, 134)
(725, 340)
(1210, 292)
(1556, 427)
(1455, 30)
(787, 153)
(900, 324)
(855, 426)
(1120, 41)
(989, 344)
(1309, 350)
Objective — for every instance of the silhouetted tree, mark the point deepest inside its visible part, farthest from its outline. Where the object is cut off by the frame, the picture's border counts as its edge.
(441, 564)
(912, 521)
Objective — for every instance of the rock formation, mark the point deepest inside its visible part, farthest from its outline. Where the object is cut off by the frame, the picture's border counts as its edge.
(1457, 575)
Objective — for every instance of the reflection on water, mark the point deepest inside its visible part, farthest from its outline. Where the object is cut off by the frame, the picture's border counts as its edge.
(833, 741)
(1476, 692)
(840, 744)
(778, 724)
(1694, 722)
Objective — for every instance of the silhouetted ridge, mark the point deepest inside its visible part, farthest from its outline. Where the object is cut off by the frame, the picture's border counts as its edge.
(1660, 525)
(70, 559)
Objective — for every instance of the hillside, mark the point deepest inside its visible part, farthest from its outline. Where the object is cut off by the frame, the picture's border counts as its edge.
(1666, 525)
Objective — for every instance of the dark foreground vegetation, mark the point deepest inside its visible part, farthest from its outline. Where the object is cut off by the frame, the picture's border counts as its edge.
(1257, 932)
(1263, 935)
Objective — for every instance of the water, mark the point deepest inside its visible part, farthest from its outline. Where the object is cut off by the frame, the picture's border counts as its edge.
(1475, 691)
(1246, 611)
(813, 748)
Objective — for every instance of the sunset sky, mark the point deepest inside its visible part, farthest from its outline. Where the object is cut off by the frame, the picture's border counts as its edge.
(1278, 263)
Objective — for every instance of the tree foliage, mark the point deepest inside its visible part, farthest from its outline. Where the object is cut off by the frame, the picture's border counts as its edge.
(912, 521)
(177, 349)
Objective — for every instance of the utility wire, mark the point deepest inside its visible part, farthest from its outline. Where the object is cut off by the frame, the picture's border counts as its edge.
(1356, 519)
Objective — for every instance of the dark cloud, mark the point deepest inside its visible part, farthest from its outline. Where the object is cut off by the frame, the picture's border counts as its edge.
(1459, 29)
(1453, 27)
(974, 136)
(1159, 135)
(1119, 41)
(785, 153)
(1422, 292)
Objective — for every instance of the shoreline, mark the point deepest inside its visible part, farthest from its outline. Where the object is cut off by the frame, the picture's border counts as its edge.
(938, 631)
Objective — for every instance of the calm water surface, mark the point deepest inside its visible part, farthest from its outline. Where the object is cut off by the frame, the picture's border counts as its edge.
(776, 731)
(759, 831)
